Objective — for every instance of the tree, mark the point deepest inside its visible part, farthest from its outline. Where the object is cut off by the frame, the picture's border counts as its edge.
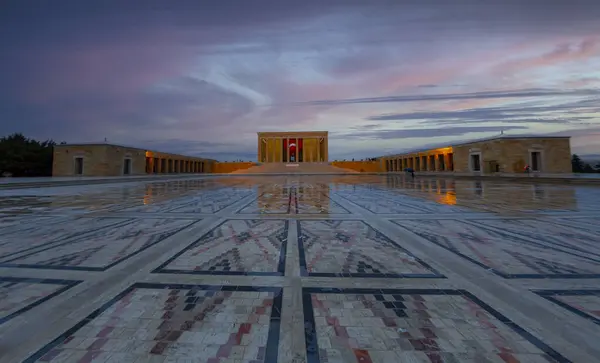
(21, 156)
(588, 168)
(577, 164)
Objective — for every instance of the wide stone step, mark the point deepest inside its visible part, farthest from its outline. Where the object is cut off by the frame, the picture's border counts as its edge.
(299, 168)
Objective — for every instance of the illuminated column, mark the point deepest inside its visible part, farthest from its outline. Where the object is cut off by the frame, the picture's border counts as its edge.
(319, 149)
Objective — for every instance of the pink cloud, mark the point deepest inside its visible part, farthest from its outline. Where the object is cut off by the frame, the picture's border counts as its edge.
(564, 52)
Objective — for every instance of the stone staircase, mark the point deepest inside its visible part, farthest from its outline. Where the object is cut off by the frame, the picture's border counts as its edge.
(294, 168)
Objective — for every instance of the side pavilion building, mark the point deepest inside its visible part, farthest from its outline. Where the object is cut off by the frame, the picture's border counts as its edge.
(500, 154)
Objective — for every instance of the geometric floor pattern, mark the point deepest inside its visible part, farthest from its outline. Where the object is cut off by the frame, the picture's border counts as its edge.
(514, 254)
(101, 248)
(171, 322)
(235, 247)
(330, 248)
(18, 295)
(585, 303)
(369, 325)
(300, 268)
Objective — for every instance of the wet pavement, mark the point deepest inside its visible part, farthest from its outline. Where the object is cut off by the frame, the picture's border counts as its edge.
(348, 268)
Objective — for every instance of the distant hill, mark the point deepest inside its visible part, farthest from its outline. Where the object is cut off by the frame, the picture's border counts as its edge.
(590, 158)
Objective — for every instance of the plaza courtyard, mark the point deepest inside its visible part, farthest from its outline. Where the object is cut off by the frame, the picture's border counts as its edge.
(347, 268)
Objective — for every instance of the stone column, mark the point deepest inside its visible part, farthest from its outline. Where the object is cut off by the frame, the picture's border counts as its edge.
(319, 149)
(267, 151)
(259, 158)
(287, 149)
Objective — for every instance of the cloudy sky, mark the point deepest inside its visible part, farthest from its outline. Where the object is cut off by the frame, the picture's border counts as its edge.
(202, 77)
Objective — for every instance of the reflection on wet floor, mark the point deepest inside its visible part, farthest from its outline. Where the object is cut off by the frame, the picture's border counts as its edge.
(307, 195)
(198, 268)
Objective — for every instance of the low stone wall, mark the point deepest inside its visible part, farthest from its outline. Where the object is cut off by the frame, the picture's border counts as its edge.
(360, 166)
(225, 168)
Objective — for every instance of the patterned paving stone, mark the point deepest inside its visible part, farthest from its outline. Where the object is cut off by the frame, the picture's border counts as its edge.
(354, 249)
(15, 222)
(294, 200)
(211, 203)
(585, 224)
(102, 248)
(381, 326)
(175, 323)
(505, 254)
(277, 202)
(434, 205)
(18, 295)
(235, 247)
(64, 204)
(571, 238)
(585, 303)
(158, 205)
(315, 201)
(376, 204)
(32, 236)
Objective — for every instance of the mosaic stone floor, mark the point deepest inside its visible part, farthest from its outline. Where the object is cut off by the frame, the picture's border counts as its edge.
(315, 269)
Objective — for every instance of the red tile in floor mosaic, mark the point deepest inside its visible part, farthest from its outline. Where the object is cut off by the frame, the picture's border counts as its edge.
(381, 326)
(149, 322)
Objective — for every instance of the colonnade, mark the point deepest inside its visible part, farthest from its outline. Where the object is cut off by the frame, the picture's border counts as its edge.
(277, 150)
(420, 162)
(157, 165)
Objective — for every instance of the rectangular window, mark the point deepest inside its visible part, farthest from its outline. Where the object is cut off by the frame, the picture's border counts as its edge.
(536, 161)
(78, 166)
(127, 167)
(475, 162)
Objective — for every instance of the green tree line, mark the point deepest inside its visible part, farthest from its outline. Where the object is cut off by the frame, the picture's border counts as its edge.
(579, 166)
(23, 157)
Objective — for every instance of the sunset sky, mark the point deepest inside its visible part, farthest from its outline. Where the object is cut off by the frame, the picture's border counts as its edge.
(202, 77)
